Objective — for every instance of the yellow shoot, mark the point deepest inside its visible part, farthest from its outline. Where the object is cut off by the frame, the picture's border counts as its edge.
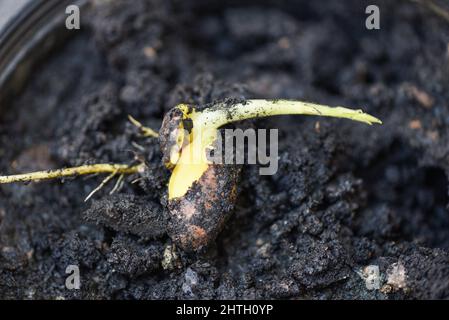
(192, 162)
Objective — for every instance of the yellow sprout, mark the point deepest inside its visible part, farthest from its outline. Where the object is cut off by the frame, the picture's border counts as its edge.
(191, 163)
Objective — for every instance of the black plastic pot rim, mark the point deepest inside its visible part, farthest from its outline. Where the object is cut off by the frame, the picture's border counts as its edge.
(30, 33)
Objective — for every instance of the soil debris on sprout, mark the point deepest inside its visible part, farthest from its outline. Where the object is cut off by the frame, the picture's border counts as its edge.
(201, 194)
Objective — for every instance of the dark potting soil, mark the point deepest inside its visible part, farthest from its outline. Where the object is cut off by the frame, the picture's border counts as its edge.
(346, 195)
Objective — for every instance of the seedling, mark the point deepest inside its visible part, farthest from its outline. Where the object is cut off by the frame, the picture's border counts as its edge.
(201, 194)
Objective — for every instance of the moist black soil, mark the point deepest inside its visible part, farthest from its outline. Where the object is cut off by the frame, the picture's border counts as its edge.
(345, 196)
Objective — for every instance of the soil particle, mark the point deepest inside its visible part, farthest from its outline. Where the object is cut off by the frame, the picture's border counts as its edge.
(136, 215)
(422, 263)
(73, 249)
(132, 258)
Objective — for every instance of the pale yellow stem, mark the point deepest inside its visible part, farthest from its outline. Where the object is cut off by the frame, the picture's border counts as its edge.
(75, 171)
(147, 132)
(258, 108)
